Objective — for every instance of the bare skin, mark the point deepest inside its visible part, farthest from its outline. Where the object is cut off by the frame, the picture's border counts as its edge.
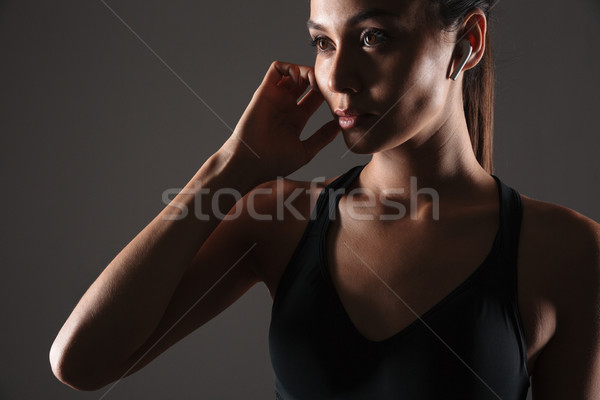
(159, 276)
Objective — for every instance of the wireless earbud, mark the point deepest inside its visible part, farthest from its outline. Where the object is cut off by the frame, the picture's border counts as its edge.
(467, 49)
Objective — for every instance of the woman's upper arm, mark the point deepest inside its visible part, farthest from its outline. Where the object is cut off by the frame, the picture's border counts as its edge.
(222, 270)
(569, 365)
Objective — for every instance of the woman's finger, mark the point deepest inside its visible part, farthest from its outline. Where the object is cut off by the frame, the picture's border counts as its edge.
(278, 70)
(301, 75)
(287, 69)
(308, 74)
(321, 138)
(292, 87)
(311, 102)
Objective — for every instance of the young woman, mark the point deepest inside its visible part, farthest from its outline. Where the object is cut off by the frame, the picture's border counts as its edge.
(419, 275)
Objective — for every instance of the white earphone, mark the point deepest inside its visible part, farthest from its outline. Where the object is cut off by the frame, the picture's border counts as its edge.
(467, 49)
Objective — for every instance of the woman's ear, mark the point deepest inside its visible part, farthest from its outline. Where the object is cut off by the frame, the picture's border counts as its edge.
(473, 30)
(466, 51)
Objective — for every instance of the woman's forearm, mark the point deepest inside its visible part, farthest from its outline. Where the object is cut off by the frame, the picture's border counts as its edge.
(123, 306)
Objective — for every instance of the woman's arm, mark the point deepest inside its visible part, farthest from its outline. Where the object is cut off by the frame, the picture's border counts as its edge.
(143, 294)
(124, 305)
(569, 365)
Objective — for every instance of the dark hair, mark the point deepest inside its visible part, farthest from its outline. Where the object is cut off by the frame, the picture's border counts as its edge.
(478, 82)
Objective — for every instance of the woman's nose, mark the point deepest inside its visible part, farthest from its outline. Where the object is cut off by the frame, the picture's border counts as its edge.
(343, 72)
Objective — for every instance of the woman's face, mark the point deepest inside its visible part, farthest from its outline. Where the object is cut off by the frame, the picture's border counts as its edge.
(384, 61)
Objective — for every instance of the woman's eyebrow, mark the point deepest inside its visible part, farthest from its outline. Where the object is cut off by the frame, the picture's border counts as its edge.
(356, 19)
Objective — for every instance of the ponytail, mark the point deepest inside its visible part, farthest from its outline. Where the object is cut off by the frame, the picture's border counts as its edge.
(478, 82)
(478, 102)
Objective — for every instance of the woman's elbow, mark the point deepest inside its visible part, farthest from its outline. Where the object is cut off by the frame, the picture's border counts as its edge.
(72, 372)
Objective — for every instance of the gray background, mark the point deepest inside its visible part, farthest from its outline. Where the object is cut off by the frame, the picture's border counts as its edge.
(95, 127)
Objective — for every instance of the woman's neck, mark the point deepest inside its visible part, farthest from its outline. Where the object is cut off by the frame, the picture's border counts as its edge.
(441, 159)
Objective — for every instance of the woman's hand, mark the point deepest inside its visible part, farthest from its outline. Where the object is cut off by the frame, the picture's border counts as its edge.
(267, 136)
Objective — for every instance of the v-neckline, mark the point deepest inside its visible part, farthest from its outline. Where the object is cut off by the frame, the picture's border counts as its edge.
(324, 265)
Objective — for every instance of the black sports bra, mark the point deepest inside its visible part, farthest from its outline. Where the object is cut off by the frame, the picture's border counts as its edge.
(470, 345)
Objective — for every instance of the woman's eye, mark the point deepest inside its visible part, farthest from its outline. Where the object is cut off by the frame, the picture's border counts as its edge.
(321, 44)
(371, 38)
(368, 38)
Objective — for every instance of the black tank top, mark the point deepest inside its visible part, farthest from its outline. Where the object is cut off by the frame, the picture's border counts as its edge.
(470, 345)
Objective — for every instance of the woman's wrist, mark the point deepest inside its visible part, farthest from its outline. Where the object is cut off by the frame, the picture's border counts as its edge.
(232, 170)
(222, 180)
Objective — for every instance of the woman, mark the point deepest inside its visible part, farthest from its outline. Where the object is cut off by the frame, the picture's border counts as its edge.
(446, 283)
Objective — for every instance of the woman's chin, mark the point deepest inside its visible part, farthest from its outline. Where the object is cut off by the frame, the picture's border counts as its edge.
(358, 142)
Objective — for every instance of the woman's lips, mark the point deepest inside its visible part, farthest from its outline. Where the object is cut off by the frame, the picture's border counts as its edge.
(352, 121)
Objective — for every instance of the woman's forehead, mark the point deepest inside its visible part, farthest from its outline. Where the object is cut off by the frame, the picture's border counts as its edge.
(342, 13)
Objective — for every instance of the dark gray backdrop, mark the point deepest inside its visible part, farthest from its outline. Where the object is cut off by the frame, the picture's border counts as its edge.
(95, 127)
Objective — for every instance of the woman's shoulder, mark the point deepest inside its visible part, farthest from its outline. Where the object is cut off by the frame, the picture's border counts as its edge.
(561, 247)
(559, 270)
(563, 228)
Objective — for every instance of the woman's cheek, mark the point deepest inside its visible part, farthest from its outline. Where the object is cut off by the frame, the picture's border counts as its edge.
(321, 78)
